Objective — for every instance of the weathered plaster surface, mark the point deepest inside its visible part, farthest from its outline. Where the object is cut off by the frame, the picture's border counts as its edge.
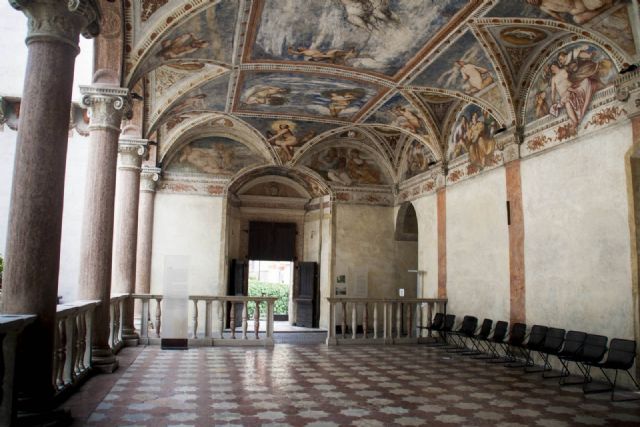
(478, 247)
(427, 244)
(577, 245)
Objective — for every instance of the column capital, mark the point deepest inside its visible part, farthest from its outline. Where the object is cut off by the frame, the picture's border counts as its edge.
(107, 105)
(130, 152)
(60, 20)
(149, 177)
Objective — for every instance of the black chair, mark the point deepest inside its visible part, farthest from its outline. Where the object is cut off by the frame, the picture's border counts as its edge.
(593, 350)
(480, 337)
(517, 335)
(467, 330)
(550, 347)
(621, 356)
(496, 340)
(447, 327)
(573, 342)
(534, 343)
(436, 324)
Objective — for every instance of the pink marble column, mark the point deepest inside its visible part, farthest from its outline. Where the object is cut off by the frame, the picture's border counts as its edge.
(108, 104)
(30, 282)
(131, 150)
(148, 179)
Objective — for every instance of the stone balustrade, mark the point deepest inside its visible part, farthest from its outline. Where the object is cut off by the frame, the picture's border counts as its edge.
(10, 327)
(115, 321)
(234, 312)
(380, 320)
(73, 339)
(146, 322)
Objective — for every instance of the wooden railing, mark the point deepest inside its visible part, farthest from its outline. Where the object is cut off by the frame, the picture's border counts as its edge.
(10, 327)
(72, 343)
(147, 322)
(380, 320)
(226, 310)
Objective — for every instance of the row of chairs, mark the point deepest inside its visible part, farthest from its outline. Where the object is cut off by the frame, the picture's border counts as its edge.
(516, 348)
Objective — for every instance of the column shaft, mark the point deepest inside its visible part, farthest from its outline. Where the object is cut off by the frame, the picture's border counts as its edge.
(149, 178)
(126, 227)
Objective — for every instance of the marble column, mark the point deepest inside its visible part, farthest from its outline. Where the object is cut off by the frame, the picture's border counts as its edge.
(148, 179)
(108, 104)
(131, 150)
(30, 282)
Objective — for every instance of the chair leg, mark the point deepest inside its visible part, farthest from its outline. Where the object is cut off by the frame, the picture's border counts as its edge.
(563, 381)
(530, 369)
(613, 388)
(562, 373)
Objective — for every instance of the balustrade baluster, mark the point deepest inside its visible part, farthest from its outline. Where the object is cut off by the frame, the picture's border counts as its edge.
(232, 320)
(375, 320)
(354, 320)
(223, 317)
(144, 319)
(62, 353)
(409, 319)
(245, 319)
(73, 345)
(82, 340)
(195, 318)
(429, 317)
(385, 321)
(256, 319)
(270, 318)
(158, 316)
(365, 320)
(208, 323)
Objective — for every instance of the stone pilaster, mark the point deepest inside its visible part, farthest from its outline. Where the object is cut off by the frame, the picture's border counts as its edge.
(30, 282)
(108, 104)
(125, 238)
(148, 180)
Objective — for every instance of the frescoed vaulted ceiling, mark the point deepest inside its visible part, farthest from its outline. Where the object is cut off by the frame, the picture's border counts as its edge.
(394, 85)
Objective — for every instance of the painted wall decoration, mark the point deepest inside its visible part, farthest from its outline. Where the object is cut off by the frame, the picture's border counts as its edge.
(287, 135)
(568, 82)
(211, 96)
(347, 167)
(213, 155)
(473, 135)
(373, 35)
(312, 95)
(462, 67)
(207, 35)
(418, 160)
(397, 111)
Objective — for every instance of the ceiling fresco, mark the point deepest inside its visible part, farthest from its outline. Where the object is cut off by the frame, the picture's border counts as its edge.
(428, 82)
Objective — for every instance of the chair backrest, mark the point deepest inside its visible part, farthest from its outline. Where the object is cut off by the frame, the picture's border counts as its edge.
(536, 337)
(621, 354)
(594, 348)
(485, 329)
(449, 321)
(438, 321)
(573, 342)
(553, 341)
(500, 331)
(469, 325)
(518, 333)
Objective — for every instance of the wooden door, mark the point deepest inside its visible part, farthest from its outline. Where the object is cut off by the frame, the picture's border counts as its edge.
(308, 298)
(238, 285)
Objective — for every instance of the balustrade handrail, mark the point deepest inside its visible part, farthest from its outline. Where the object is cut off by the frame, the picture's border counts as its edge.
(395, 299)
(231, 298)
(66, 309)
(147, 296)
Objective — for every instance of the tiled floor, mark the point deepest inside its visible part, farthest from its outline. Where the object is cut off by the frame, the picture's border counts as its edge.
(315, 385)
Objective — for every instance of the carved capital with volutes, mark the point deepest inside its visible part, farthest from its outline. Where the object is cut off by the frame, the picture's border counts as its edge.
(107, 106)
(149, 177)
(130, 153)
(60, 20)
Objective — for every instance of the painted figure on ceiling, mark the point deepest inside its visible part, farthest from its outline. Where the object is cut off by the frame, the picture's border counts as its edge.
(340, 99)
(195, 102)
(369, 15)
(475, 78)
(332, 56)
(360, 170)
(180, 46)
(581, 10)
(406, 119)
(575, 77)
(208, 160)
(474, 134)
(266, 95)
(284, 137)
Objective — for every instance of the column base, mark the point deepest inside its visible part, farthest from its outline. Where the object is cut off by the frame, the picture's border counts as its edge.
(103, 360)
(130, 338)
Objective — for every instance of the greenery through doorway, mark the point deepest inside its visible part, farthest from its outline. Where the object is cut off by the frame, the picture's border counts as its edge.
(274, 279)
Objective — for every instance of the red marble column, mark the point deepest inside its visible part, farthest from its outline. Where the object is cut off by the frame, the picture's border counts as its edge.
(516, 242)
(30, 283)
(108, 104)
(442, 242)
(125, 238)
(148, 179)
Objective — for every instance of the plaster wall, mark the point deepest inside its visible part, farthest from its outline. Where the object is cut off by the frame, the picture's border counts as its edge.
(577, 246)
(426, 211)
(187, 236)
(478, 247)
(327, 264)
(312, 238)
